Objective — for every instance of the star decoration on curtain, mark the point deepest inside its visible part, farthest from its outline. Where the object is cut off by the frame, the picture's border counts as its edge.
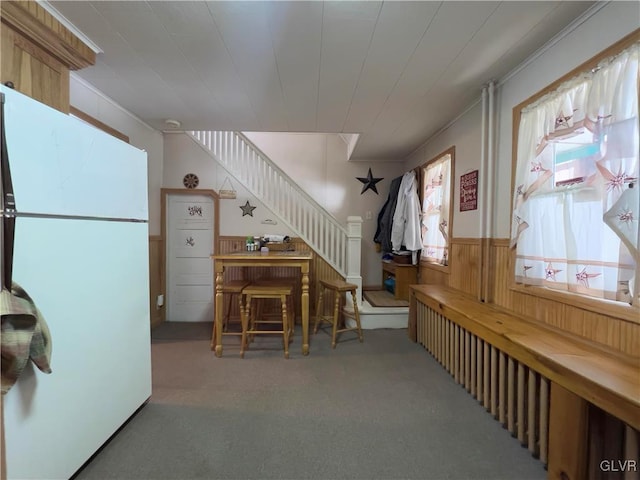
(582, 277)
(369, 182)
(550, 272)
(247, 209)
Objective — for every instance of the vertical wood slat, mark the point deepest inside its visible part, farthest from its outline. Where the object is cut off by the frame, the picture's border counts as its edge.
(544, 419)
(479, 367)
(531, 413)
(473, 365)
(501, 389)
(511, 395)
(494, 381)
(521, 404)
(486, 385)
(631, 451)
(456, 358)
(467, 361)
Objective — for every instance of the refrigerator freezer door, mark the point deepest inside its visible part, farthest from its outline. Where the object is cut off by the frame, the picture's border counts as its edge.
(62, 166)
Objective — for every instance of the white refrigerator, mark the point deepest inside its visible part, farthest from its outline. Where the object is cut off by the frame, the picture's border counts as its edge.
(81, 253)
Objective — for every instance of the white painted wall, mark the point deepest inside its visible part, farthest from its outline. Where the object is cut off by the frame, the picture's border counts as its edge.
(91, 101)
(318, 163)
(465, 136)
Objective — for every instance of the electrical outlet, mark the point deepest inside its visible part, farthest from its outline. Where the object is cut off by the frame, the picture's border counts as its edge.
(368, 215)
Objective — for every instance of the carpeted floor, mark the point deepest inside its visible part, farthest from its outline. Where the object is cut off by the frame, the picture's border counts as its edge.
(383, 409)
(383, 298)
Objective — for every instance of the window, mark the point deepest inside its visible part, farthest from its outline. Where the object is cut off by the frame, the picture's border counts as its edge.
(575, 208)
(436, 203)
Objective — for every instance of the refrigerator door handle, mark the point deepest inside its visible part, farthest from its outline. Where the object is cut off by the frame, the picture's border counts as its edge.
(8, 209)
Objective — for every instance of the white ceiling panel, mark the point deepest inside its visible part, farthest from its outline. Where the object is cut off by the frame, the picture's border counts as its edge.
(296, 34)
(394, 72)
(347, 30)
(245, 33)
(398, 32)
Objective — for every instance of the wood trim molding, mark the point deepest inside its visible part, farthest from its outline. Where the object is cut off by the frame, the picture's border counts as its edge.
(500, 242)
(434, 266)
(164, 193)
(97, 123)
(39, 26)
(466, 241)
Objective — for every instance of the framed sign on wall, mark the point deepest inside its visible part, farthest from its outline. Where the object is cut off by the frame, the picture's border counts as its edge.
(469, 191)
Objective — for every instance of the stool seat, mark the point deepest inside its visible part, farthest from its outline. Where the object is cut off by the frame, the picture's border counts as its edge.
(234, 286)
(338, 286)
(256, 292)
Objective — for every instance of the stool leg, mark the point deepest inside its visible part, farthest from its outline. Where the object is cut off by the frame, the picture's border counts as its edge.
(292, 316)
(336, 318)
(319, 311)
(285, 325)
(213, 334)
(225, 320)
(249, 317)
(357, 314)
(244, 320)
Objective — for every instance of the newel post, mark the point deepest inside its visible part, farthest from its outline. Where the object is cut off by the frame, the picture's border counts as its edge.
(354, 247)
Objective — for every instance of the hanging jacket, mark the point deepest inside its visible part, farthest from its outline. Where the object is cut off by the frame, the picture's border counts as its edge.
(385, 217)
(406, 219)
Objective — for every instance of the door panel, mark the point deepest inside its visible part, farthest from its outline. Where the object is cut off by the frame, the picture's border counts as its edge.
(189, 266)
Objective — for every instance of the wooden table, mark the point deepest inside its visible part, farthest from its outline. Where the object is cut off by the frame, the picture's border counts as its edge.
(301, 260)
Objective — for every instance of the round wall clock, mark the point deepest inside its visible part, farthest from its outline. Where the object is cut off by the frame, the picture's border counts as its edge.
(190, 180)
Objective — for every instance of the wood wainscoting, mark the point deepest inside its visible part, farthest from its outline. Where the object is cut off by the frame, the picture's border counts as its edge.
(463, 272)
(465, 259)
(489, 276)
(156, 246)
(612, 331)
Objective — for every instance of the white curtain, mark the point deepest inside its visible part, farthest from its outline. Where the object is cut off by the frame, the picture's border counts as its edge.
(435, 210)
(581, 235)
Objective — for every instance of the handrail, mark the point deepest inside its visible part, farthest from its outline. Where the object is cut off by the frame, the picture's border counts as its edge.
(281, 194)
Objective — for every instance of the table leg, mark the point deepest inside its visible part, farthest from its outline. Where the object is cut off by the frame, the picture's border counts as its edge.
(305, 310)
(217, 342)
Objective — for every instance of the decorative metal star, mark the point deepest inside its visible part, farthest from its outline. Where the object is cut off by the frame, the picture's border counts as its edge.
(369, 182)
(247, 209)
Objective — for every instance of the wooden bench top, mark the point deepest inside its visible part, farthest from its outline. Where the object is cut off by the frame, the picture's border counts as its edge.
(605, 378)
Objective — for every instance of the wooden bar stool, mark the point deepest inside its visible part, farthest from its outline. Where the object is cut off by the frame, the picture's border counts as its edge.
(291, 304)
(251, 319)
(338, 287)
(230, 288)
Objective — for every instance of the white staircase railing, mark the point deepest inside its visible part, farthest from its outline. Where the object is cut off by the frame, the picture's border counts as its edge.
(294, 207)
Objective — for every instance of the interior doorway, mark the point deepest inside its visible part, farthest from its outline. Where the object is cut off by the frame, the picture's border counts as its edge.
(190, 237)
